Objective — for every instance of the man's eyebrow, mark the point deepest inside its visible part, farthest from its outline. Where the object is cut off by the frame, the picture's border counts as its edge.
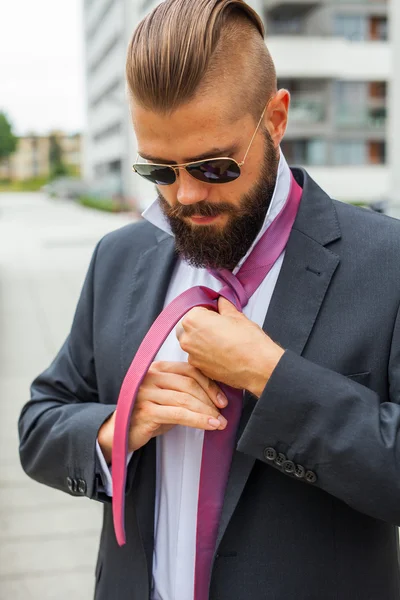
(213, 153)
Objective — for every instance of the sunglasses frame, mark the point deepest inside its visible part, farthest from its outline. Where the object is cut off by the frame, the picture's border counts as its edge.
(175, 168)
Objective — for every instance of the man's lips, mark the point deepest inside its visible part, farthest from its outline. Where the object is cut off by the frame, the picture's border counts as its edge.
(203, 220)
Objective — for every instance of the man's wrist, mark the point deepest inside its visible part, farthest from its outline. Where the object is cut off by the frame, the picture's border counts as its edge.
(105, 438)
(262, 368)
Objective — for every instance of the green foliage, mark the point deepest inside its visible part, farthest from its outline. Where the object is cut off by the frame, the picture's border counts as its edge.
(105, 204)
(28, 185)
(8, 141)
(57, 166)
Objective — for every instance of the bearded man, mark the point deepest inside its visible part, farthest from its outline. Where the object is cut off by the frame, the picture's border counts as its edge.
(230, 387)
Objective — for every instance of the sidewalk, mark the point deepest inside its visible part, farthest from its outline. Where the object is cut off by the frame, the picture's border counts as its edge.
(48, 540)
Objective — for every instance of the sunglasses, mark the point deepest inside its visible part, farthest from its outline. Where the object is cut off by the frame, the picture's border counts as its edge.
(213, 170)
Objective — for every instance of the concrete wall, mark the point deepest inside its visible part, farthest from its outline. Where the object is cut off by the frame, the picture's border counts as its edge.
(331, 58)
(355, 184)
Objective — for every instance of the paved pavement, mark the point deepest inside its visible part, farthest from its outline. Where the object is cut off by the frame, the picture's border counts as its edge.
(48, 540)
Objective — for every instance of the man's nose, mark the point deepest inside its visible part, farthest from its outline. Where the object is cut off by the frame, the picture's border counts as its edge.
(190, 191)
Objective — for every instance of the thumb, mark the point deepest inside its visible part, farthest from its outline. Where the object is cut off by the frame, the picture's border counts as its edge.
(227, 308)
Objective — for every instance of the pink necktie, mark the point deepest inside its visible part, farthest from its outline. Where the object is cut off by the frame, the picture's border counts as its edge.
(218, 446)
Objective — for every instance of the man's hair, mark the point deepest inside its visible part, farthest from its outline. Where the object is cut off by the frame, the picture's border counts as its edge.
(187, 47)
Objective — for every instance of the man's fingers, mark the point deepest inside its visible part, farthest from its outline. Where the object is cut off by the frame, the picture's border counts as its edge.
(176, 415)
(197, 384)
(195, 400)
(209, 386)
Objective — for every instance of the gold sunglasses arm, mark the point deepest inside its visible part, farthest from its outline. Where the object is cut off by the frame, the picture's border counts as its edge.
(252, 139)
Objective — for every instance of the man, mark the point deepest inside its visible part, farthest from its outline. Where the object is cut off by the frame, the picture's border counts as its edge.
(313, 496)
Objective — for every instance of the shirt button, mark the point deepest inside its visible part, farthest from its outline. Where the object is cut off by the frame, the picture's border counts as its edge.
(299, 471)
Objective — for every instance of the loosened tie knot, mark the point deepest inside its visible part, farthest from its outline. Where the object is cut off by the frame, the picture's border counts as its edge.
(233, 290)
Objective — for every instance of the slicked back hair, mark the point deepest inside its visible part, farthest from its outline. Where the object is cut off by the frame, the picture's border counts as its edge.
(187, 47)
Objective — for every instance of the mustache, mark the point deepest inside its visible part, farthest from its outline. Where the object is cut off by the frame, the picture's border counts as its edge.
(201, 209)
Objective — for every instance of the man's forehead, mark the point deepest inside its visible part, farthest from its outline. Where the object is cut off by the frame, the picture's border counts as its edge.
(193, 133)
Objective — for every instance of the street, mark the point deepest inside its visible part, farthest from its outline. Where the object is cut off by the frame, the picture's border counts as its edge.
(48, 540)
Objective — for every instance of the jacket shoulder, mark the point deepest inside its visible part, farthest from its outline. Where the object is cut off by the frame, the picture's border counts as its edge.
(368, 227)
(133, 239)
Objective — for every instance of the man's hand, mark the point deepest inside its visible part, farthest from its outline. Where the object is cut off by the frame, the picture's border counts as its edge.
(228, 347)
(172, 393)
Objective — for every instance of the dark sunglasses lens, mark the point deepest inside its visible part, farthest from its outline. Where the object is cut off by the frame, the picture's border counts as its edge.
(215, 171)
(156, 174)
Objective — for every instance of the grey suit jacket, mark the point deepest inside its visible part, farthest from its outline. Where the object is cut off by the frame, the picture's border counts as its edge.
(313, 497)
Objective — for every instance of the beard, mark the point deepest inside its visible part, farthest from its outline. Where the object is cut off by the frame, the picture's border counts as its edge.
(206, 246)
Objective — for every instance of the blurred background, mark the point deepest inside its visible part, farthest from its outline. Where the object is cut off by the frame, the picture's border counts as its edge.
(66, 150)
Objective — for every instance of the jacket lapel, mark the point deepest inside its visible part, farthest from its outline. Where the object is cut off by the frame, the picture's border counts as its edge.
(306, 273)
(150, 281)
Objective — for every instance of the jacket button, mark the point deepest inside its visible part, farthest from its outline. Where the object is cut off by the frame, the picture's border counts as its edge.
(311, 477)
(270, 454)
(82, 486)
(280, 459)
(299, 471)
(71, 483)
(289, 467)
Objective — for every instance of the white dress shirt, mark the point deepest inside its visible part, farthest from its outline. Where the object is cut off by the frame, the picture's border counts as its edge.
(179, 451)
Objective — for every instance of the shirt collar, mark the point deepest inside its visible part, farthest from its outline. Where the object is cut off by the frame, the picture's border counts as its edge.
(155, 215)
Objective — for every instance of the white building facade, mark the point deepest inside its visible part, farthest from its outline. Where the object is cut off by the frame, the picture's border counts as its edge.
(332, 55)
(335, 58)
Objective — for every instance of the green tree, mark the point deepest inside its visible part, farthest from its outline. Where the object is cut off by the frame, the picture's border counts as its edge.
(57, 165)
(8, 141)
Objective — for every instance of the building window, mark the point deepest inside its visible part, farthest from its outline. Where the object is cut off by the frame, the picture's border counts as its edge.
(351, 27)
(100, 19)
(286, 26)
(115, 166)
(360, 104)
(107, 132)
(312, 152)
(378, 90)
(350, 153)
(351, 102)
(110, 94)
(377, 153)
(93, 67)
(378, 29)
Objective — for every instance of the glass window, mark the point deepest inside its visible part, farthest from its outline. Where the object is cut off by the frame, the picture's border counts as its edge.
(351, 102)
(305, 152)
(350, 153)
(316, 152)
(286, 26)
(378, 29)
(351, 27)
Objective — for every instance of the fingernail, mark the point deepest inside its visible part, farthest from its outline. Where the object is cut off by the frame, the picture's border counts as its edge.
(222, 421)
(222, 400)
(214, 422)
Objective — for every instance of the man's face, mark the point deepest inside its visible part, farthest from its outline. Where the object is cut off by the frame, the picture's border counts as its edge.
(214, 225)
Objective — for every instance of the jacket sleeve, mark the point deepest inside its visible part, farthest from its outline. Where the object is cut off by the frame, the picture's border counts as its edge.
(329, 431)
(58, 427)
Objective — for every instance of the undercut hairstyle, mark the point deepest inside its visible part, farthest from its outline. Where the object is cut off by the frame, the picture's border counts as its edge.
(186, 48)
